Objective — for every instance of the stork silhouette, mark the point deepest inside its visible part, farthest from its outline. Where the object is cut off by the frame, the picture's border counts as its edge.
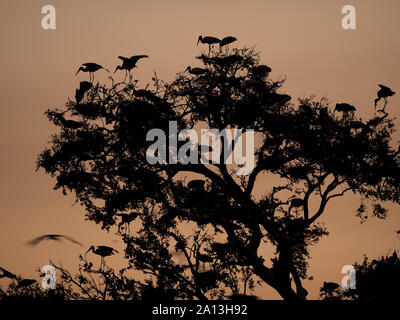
(226, 41)
(196, 71)
(90, 67)
(102, 251)
(127, 219)
(129, 63)
(384, 93)
(208, 40)
(84, 86)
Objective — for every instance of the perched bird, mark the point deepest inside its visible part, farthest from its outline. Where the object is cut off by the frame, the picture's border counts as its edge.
(196, 71)
(136, 58)
(384, 92)
(129, 63)
(84, 86)
(329, 286)
(90, 67)
(208, 40)
(344, 107)
(55, 237)
(70, 124)
(102, 251)
(226, 41)
(7, 274)
(261, 69)
(127, 219)
(25, 283)
(196, 185)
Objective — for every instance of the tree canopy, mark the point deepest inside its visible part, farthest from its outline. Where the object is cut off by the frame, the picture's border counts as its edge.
(217, 227)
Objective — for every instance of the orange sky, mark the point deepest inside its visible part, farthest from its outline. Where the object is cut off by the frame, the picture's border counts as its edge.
(301, 40)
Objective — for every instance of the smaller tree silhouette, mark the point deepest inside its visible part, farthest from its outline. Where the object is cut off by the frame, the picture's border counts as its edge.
(376, 280)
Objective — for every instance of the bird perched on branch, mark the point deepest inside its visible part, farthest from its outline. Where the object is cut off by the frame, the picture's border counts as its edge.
(84, 86)
(70, 124)
(55, 237)
(196, 71)
(226, 41)
(344, 107)
(261, 69)
(102, 251)
(7, 274)
(129, 63)
(208, 40)
(127, 219)
(90, 67)
(329, 286)
(384, 93)
(25, 283)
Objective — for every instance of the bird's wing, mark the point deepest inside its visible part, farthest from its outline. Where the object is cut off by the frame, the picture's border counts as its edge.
(87, 64)
(35, 241)
(137, 57)
(123, 58)
(71, 239)
(384, 87)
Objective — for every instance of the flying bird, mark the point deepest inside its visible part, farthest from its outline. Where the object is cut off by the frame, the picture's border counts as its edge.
(7, 274)
(55, 237)
(90, 67)
(384, 93)
(196, 71)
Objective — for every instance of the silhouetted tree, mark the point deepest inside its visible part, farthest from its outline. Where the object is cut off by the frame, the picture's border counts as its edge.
(376, 280)
(199, 241)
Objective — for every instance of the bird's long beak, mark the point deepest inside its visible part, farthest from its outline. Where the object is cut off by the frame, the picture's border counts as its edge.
(106, 70)
(188, 68)
(198, 40)
(78, 71)
(116, 69)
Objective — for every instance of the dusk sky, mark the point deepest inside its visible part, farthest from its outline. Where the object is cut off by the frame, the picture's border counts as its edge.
(302, 41)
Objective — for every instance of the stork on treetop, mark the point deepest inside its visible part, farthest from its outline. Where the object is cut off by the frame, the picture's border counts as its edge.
(196, 71)
(208, 40)
(90, 67)
(102, 251)
(129, 63)
(384, 93)
(226, 41)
